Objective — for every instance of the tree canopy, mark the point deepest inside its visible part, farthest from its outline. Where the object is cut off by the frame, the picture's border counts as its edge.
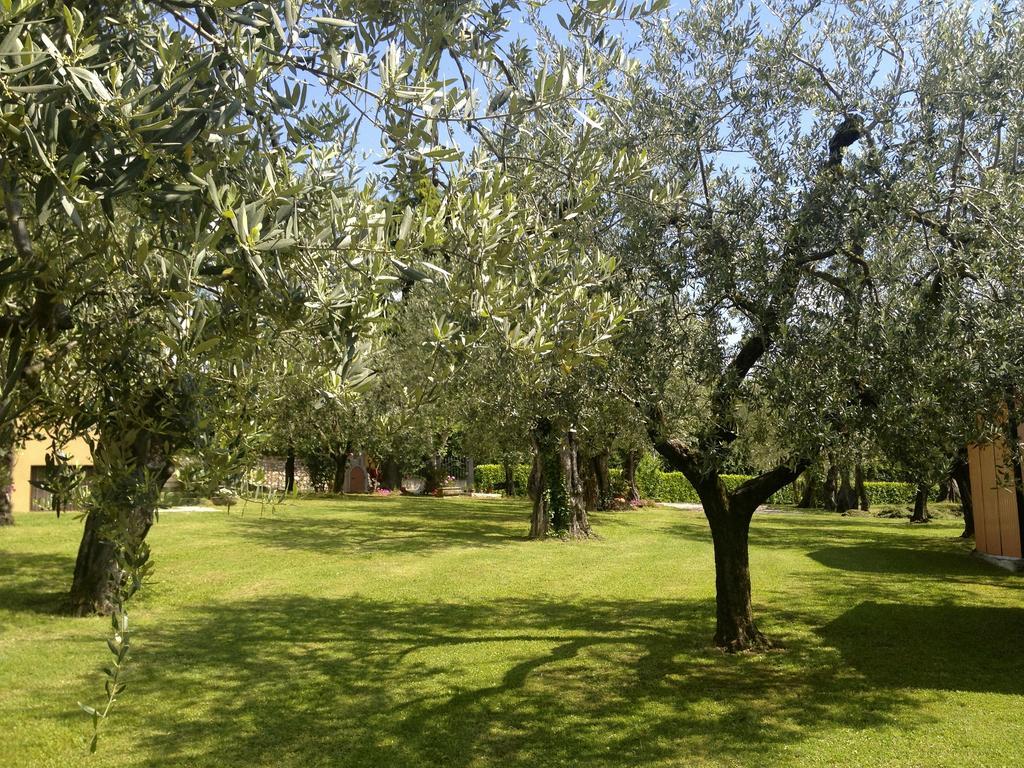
(748, 235)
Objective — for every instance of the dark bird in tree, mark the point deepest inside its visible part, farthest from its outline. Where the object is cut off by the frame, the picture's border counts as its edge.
(866, 396)
(849, 132)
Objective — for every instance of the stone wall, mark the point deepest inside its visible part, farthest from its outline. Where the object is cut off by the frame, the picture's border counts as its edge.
(273, 472)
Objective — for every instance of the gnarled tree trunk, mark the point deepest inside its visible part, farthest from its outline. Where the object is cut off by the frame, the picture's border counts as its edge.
(920, 514)
(556, 485)
(590, 483)
(577, 523)
(860, 488)
(735, 628)
(603, 479)
(846, 499)
(629, 476)
(289, 470)
(340, 468)
(124, 491)
(729, 515)
(510, 477)
(961, 474)
(948, 490)
(97, 572)
(809, 497)
(432, 479)
(539, 515)
(829, 492)
(6, 476)
(390, 474)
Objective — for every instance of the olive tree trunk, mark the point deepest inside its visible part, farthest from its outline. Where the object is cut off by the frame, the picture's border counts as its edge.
(729, 515)
(556, 484)
(846, 499)
(6, 475)
(431, 472)
(289, 470)
(920, 514)
(97, 573)
(124, 491)
(629, 476)
(603, 479)
(809, 496)
(830, 491)
(948, 491)
(540, 519)
(510, 477)
(590, 484)
(340, 466)
(961, 474)
(597, 481)
(391, 474)
(860, 488)
(577, 523)
(735, 628)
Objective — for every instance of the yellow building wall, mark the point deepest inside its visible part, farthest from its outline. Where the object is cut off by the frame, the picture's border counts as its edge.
(33, 454)
(997, 521)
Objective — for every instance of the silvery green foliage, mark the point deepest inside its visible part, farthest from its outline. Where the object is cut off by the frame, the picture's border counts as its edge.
(180, 190)
(846, 192)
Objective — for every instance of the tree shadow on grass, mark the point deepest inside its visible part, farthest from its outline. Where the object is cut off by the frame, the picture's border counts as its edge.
(944, 646)
(373, 525)
(357, 682)
(794, 529)
(34, 582)
(916, 565)
(916, 558)
(786, 531)
(868, 547)
(383, 526)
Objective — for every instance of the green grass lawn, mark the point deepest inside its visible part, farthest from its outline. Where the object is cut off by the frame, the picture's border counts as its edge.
(397, 632)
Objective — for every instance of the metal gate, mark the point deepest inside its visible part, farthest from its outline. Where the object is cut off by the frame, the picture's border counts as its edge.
(456, 472)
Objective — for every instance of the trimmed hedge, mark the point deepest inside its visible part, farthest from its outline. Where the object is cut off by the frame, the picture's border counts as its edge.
(491, 478)
(890, 493)
(673, 487)
(655, 485)
(648, 476)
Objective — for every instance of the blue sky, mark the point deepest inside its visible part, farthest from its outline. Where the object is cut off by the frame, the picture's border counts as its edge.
(369, 142)
(369, 145)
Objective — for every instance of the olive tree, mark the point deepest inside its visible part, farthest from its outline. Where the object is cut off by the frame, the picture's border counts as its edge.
(176, 193)
(814, 154)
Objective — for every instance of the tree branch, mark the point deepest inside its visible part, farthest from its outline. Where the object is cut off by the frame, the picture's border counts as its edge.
(16, 221)
(758, 490)
(724, 396)
(679, 456)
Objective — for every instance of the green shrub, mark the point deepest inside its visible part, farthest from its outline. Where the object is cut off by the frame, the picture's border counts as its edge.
(618, 481)
(487, 477)
(648, 476)
(732, 482)
(321, 471)
(890, 493)
(490, 478)
(673, 487)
